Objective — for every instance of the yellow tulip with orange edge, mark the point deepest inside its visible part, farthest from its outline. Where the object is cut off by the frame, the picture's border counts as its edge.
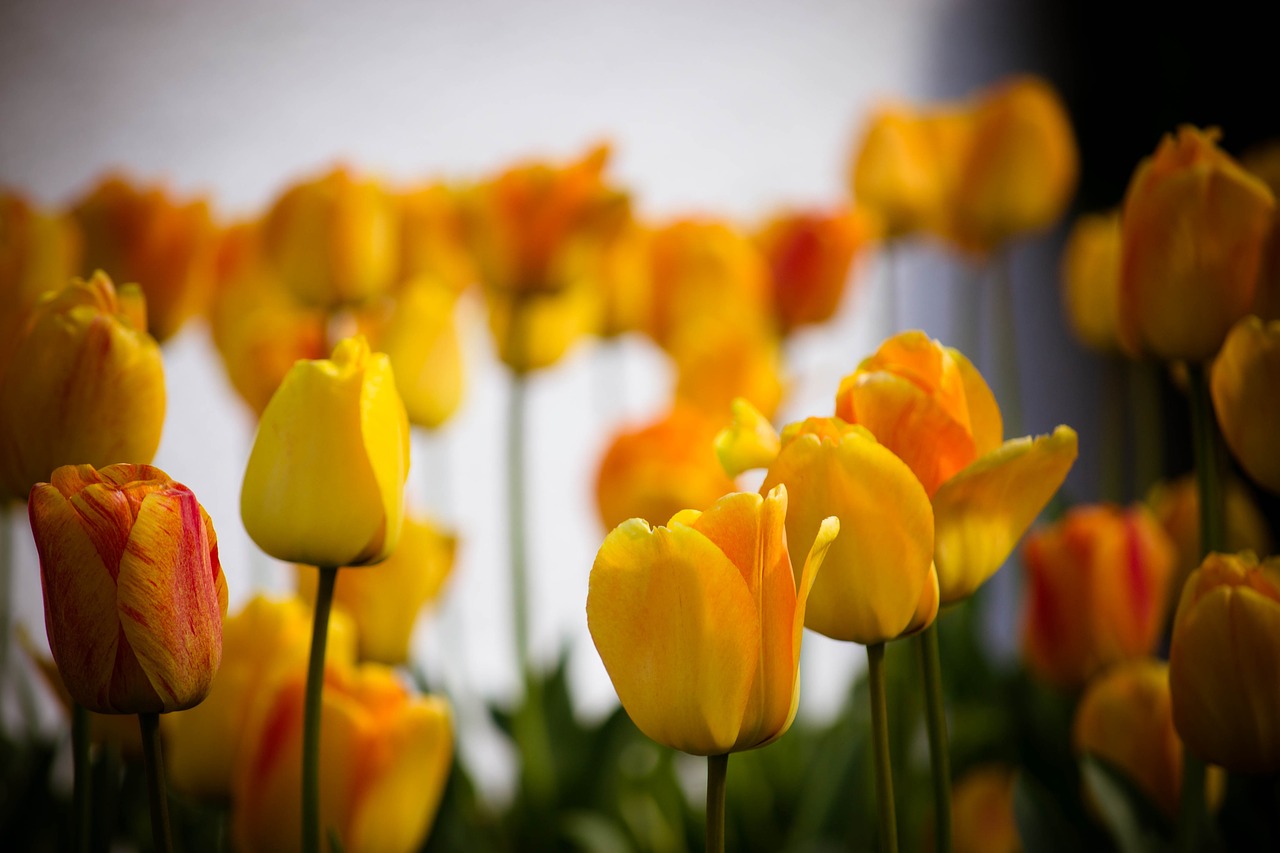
(1243, 383)
(1091, 281)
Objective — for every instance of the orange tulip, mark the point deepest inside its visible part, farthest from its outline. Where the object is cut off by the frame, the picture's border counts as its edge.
(1193, 232)
(982, 811)
(1264, 162)
(717, 362)
(1224, 663)
(1243, 383)
(699, 623)
(141, 234)
(133, 591)
(1091, 281)
(433, 238)
(1096, 591)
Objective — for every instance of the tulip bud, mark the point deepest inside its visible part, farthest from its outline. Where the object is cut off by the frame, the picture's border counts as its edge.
(1193, 230)
(133, 591)
(717, 362)
(421, 341)
(1243, 382)
(982, 811)
(324, 484)
(1096, 591)
(1224, 663)
(433, 240)
(91, 387)
(1091, 281)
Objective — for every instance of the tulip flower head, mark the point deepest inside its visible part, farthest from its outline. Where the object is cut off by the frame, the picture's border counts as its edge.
(133, 591)
(699, 623)
(1091, 281)
(421, 340)
(325, 480)
(982, 811)
(1243, 383)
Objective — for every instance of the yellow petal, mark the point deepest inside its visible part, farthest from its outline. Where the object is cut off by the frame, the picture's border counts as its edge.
(678, 632)
(982, 512)
(927, 609)
(827, 533)
(985, 422)
(750, 442)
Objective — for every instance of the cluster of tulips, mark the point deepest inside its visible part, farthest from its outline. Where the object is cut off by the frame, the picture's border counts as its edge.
(871, 521)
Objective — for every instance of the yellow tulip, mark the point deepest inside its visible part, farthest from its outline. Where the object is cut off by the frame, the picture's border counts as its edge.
(620, 274)
(267, 640)
(324, 483)
(875, 584)
(1091, 281)
(982, 811)
(433, 238)
(334, 240)
(1264, 162)
(718, 362)
(385, 604)
(549, 324)
(1193, 231)
(91, 387)
(699, 623)
(1243, 382)
(749, 442)
(928, 405)
(421, 340)
(386, 756)
(1224, 663)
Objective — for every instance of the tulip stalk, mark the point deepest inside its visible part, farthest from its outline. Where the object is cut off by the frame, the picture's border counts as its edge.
(311, 718)
(939, 747)
(80, 784)
(717, 771)
(880, 740)
(154, 763)
(515, 487)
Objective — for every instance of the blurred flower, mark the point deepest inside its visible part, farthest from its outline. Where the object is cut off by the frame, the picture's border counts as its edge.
(1096, 591)
(982, 811)
(1125, 719)
(699, 623)
(549, 324)
(324, 484)
(810, 255)
(1263, 161)
(334, 240)
(91, 387)
(717, 362)
(385, 604)
(654, 471)
(433, 237)
(1091, 280)
(1224, 663)
(133, 591)
(1193, 229)
(421, 340)
(1019, 168)
(142, 235)
(1244, 381)
(267, 640)
(621, 276)
(386, 756)
(875, 584)
(928, 405)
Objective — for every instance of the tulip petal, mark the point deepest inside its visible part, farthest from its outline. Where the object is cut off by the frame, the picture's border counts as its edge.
(827, 532)
(678, 632)
(750, 442)
(982, 512)
(927, 610)
(985, 422)
(384, 426)
(167, 600)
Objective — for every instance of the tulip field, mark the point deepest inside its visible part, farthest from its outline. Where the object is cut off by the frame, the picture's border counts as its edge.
(1014, 655)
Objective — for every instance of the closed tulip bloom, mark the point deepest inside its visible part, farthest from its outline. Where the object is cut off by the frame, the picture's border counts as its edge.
(1193, 231)
(549, 324)
(39, 252)
(699, 623)
(877, 572)
(1243, 383)
(1224, 663)
(1091, 281)
(143, 235)
(433, 237)
(927, 404)
(623, 281)
(324, 484)
(1096, 591)
(718, 362)
(1264, 162)
(91, 387)
(386, 756)
(385, 604)
(268, 640)
(133, 591)
(982, 811)
(421, 340)
(334, 240)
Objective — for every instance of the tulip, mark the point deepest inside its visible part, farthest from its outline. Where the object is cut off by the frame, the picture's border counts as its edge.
(433, 239)
(533, 331)
(1243, 383)
(421, 341)
(334, 240)
(749, 442)
(133, 591)
(386, 755)
(718, 362)
(91, 387)
(1264, 162)
(982, 811)
(1193, 232)
(1096, 591)
(623, 281)
(1091, 281)
(655, 471)
(1224, 663)
(385, 604)
(141, 234)
(324, 484)
(699, 623)
(928, 405)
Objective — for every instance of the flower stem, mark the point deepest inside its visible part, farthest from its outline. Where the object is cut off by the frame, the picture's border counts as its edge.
(880, 738)
(516, 519)
(80, 782)
(717, 770)
(311, 718)
(154, 762)
(939, 748)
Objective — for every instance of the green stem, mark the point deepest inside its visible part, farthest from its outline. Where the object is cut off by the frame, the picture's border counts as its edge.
(515, 493)
(939, 748)
(80, 782)
(1147, 424)
(880, 738)
(311, 718)
(717, 770)
(153, 760)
